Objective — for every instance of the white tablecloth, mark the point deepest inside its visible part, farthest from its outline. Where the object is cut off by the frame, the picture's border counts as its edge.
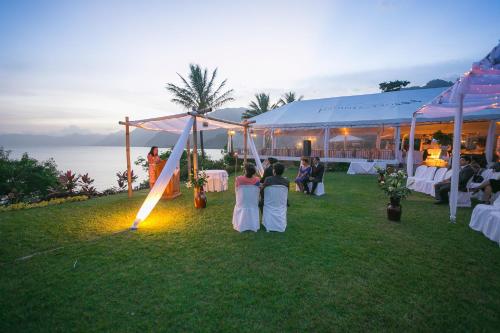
(217, 181)
(365, 167)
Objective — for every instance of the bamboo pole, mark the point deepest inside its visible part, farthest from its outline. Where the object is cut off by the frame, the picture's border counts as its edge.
(188, 150)
(245, 143)
(127, 149)
(195, 150)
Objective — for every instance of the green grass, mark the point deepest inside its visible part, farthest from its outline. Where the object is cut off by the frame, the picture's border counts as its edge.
(341, 265)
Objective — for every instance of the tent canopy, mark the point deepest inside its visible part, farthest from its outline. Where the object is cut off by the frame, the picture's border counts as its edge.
(342, 138)
(176, 123)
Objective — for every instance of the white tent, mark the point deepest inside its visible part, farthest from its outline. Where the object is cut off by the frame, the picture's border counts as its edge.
(343, 138)
(475, 95)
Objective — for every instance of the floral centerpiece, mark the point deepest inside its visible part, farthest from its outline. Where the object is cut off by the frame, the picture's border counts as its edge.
(200, 198)
(394, 186)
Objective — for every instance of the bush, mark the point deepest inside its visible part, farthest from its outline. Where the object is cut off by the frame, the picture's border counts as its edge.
(339, 166)
(56, 201)
(26, 178)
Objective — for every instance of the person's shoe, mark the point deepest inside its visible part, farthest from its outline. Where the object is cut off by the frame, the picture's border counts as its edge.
(440, 203)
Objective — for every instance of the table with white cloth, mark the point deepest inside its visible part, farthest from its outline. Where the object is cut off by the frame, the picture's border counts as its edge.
(364, 167)
(216, 181)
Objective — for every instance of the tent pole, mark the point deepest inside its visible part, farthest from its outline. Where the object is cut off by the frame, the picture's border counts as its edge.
(326, 140)
(195, 149)
(188, 153)
(245, 143)
(490, 141)
(273, 142)
(397, 138)
(127, 150)
(409, 157)
(455, 162)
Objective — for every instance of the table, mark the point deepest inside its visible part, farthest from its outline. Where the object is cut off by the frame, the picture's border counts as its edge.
(217, 181)
(363, 167)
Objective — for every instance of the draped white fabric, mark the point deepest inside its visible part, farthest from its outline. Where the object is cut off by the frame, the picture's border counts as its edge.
(246, 209)
(253, 149)
(176, 123)
(409, 157)
(490, 141)
(165, 176)
(275, 208)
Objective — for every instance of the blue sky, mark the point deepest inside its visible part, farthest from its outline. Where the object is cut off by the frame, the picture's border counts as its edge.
(87, 64)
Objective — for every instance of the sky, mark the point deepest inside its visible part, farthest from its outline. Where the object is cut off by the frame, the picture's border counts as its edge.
(81, 66)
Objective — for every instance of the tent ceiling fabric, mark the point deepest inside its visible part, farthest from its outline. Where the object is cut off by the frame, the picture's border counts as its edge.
(480, 87)
(176, 124)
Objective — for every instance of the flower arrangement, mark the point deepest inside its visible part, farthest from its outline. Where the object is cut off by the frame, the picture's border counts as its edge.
(199, 181)
(394, 185)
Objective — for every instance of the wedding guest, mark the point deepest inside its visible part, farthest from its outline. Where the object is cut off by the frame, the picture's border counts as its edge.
(316, 176)
(443, 188)
(268, 168)
(277, 177)
(249, 178)
(303, 174)
(153, 159)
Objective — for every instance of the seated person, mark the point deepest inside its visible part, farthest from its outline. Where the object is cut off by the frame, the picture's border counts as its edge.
(268, 168)
(276, 179)
(443, 188)
(249, 178)
(316, 175)
(303, 174)
(490, 186)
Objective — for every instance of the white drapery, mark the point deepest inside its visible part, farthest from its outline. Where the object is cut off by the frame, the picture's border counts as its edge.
(490, 141)
(253, 149)
(411, 148)
(166, 174)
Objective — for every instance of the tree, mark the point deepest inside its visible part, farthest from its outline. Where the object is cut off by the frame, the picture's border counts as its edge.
(200, 91)
(260, 105)
(288, 97)
(438, 83)
(393, 85)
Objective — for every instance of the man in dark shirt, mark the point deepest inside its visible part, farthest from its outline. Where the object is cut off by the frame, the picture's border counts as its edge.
(268, 171)
(276, 179)
(316, 176)
(442, 189)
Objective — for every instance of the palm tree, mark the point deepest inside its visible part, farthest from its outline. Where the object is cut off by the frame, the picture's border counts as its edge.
(199, 92)
(260, 105)
(288, 97)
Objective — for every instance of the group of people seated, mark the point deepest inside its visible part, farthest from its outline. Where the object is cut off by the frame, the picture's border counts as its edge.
(309, 174)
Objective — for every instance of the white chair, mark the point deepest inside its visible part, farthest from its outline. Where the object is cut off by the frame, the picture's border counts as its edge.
(246, 209)
(486, 219)
(439, 176)
(464, 198)
(320, 189)
(274, 214)
(419, 173)
(419, 184)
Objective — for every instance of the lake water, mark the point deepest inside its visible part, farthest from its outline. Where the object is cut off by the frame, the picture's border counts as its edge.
(101, 163)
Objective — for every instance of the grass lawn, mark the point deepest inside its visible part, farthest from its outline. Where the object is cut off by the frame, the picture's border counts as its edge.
(339, 266)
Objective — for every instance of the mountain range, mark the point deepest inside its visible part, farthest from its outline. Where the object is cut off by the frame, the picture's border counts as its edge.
(138, 137)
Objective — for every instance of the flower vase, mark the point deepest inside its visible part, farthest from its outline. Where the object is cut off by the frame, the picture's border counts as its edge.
(200, 198)
(394, 210)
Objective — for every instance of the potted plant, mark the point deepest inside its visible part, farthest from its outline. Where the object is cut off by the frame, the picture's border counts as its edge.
(381, 173)
(200, 198)
(394, 186)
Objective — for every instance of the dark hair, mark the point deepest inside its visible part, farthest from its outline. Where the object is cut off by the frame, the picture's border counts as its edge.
(305, 159)
(151, 151)
(278, 168)
(466, 157)
(272, 160)
(249, 170)
(316, 158)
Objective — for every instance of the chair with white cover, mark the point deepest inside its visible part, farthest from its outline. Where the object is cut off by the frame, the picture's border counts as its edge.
(486, 219)
(428, 185)
(246, 209)
(419, 173)
(320, 189)
(419, 184)
(430, 189)
(275, 208)
(487, 174)
(464, 198)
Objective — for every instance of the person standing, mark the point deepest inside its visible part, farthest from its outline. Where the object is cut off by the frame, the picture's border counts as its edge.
(153, 159)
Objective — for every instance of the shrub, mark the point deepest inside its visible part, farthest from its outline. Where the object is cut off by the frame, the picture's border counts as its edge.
(55, 201)
(122, 179)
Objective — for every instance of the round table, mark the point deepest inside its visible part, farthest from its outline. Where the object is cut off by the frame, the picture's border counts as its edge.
(217, 181)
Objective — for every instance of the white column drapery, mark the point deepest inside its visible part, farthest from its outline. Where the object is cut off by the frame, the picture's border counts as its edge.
(166, 174)
(397, 140)
(326, 141)
(409, 154)
(455, 162)
(255, 153)
(490, 141)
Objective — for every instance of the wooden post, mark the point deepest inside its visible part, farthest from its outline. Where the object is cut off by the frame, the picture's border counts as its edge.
(245, 143)
(188, 150)
(195, 150)
(127, 149)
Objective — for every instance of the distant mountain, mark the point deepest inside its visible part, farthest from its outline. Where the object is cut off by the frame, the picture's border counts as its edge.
(138, 136)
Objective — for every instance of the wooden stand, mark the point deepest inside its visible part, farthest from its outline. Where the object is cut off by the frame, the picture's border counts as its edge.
(173, 189)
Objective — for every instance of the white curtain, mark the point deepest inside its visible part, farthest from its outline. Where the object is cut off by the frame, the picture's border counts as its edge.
(490, 141)
(397, 141)
(165, 176)
(455, 162)
(255, 153)
(409, 153)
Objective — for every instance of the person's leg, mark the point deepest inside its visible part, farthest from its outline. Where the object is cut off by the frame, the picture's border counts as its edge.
(444, 192)
(437, 189)
(305, 185)
(299, 184)
(314, 185)
(487, 193)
